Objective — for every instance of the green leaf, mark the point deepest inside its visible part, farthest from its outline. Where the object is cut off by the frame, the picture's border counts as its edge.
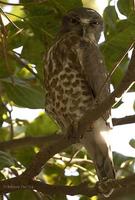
(45, 18)
(4, 134)
(24, 155)
(42, 125)
(17, 12)
(132, 143)
(33, 51)
(119, 159)
(2, 112)
(86, 198)
(2, 177)
(17, 38)
(23, 94)
(52, 174)
(110, 18)
(23, 195)
(125, 7)
(6, 160)
(116, 46)
(7, 66)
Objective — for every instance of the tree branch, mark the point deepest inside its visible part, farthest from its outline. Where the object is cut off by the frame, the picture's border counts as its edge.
(46, 153)
(124, 120)
(14, 184)
(122, 187)
(24, 63)
(67, 190)
(73, 160)
(29, 141)
(43, 140)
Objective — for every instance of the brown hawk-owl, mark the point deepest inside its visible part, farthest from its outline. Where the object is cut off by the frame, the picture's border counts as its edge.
(75, 79)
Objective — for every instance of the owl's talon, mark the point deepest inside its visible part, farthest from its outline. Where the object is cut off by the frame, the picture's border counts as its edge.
(105, 187)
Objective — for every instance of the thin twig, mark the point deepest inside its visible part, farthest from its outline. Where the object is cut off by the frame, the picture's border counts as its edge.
(70, 160)
(24, 63)
(12, 14)
(3, 13)
(11, 123)
(74, 160)
(3, 36)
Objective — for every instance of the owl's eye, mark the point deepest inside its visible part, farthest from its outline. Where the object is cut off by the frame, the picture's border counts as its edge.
(94, 23)
(74, 21)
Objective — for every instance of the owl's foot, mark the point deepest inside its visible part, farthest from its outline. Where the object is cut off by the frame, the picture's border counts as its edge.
(106, 187)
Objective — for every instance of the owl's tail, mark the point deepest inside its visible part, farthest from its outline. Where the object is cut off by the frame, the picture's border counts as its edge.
(96, 143)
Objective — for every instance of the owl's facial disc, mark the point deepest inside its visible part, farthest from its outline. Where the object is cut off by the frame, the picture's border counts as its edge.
(84, 22)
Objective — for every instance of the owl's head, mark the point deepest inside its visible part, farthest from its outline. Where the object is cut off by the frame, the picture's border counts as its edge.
(84, 22)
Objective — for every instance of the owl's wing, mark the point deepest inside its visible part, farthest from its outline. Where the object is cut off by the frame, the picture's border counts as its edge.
(97, 143)
(92, 62)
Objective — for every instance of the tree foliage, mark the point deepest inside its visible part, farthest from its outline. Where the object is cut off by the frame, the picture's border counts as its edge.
(32, 27)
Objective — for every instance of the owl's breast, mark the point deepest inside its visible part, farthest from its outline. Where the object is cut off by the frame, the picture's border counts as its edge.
(68, 94)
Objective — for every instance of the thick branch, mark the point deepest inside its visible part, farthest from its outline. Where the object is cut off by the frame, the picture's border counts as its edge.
(122, 186)
(29, 141)
(43, 140)
(124, 120)
(45, 154)
(125, 186)
(15, 184)
(67, 190)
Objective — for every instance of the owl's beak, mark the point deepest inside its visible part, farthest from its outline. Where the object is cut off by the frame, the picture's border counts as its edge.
(84, 31)
(87, 33)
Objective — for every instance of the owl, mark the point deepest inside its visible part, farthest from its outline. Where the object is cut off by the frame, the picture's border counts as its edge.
(76, 80)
